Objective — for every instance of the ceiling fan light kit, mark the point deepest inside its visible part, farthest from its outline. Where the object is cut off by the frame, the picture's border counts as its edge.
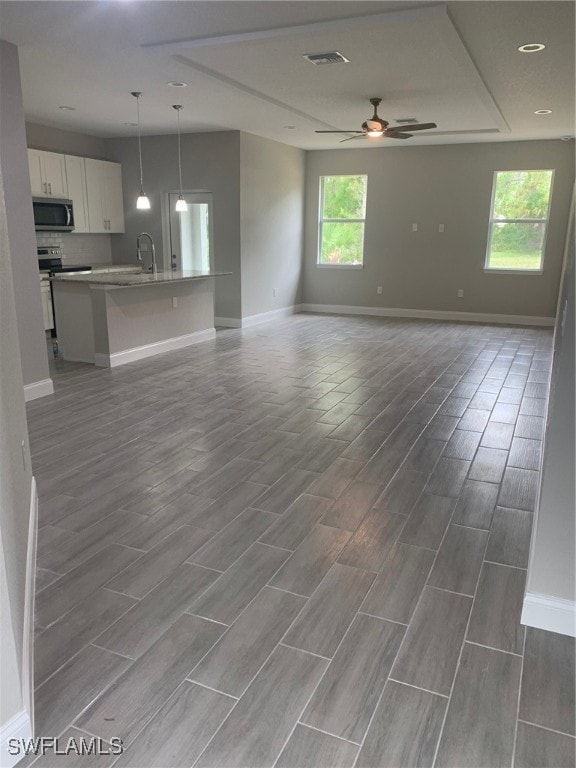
(376, 127)
(142, 203)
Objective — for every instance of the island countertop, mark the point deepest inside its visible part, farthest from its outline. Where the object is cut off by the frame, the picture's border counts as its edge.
(122, 280)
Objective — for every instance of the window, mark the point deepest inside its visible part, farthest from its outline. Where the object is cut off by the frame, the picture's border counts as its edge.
(518, 220)
(342, 217)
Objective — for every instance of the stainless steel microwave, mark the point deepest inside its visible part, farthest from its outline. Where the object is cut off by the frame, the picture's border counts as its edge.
(53, 215)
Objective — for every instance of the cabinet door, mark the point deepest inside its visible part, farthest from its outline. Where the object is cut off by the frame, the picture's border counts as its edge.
(112, 196)
(36, 183)
(47, 312)
(96, 218)
(54, 173)
(76, 179)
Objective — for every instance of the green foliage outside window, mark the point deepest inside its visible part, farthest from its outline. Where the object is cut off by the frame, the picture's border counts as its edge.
(519, 195)
(343, 210)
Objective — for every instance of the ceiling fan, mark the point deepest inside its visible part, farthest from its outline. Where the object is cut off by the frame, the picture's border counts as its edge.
(375, 127)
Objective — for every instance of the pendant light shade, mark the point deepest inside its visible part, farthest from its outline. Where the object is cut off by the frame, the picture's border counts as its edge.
(142, 203)
(181, 204)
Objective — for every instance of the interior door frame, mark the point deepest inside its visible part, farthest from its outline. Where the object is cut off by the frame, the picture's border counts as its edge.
(166, 229)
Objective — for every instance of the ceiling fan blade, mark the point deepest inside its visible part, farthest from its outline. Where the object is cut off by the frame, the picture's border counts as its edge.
(392, 135)
(338, 131)
(353, 137)
(418, 127)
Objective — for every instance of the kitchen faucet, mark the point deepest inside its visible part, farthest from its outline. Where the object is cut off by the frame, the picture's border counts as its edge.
(152, 268)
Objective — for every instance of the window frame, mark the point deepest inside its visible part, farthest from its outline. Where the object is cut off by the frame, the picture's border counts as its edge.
(322, 221)
(492, 221)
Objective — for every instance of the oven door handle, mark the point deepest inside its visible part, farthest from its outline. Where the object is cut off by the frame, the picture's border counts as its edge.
(68, 215)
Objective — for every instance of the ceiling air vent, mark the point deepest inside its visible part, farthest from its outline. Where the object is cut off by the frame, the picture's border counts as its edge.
(332, 57)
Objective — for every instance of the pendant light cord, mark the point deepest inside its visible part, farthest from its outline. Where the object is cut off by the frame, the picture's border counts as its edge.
(139, 143)
(179, 154)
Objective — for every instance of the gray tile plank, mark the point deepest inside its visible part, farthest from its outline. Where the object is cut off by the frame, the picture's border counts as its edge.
(459, 560)
(224, 479)
(346, 697)
(365, 445)
(536, 747)
(497, 435)
(275, 467)
(228, 545)
(328, 614)
(462, 444)
(397, 588)
(405, 729)
(402, 492)
(476, 504)
(165, 521)
(495, 619)
(57, 644)
(348, 511)
(505, 413)
(370, 545)
(519, 488)
(383, 465)
(60, 699)
(279, 496)
(180, 730)
(137, 695)
(62, 595)
(307, 748)
(448, 477)
(481, 717)
(424, 455)
(441, 427)
(138, 629)
(525, 453)
(334, 481)
(509, 541)
(322, 455)
(531, 427)
(428, 521)
(474, 420)
(488, 465)
(238, 655)
(232, 592)
(306, 568)
(272, 705)
(157, 564)
(429, 654)
(221, 512)
(548, 681)
(295, 524)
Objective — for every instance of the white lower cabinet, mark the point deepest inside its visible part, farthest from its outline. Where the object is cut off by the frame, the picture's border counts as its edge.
(47, 310)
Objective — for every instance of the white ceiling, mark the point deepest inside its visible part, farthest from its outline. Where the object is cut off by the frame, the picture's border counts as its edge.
(455, 64)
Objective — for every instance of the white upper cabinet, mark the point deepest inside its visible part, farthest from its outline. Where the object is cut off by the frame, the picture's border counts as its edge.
(104, 191)
(47, 174)
(76, 177)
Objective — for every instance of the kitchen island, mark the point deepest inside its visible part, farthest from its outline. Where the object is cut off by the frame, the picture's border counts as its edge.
(110, 319)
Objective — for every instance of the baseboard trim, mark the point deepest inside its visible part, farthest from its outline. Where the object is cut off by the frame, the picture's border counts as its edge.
(273, 314)
(430, 314)
(228, 322)
(550, 613)
(18, 727)
(38, 389)
(149, 350)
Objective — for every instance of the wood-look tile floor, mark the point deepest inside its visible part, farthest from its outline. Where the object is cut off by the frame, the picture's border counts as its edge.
(300, 544)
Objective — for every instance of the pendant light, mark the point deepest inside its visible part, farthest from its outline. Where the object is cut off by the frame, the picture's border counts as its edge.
(181, 204)
(143, 203)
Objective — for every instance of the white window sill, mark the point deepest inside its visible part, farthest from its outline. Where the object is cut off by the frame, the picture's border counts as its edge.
(340, 266)
(513, 271)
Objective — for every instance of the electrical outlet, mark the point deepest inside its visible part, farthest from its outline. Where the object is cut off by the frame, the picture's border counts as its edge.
(174, 302)
(379, 289)
(440, 227)
(274, 292)
(414, 227)
(460, 293)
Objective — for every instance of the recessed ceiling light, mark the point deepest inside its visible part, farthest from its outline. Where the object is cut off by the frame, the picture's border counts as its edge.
(531, 47)
(177, 84)
(64, 108)
(290, 127)
(543, 112)
(567, 138)
(132, 125)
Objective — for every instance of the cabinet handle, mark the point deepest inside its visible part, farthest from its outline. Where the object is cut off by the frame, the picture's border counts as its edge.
(45, 187)
(50, 189)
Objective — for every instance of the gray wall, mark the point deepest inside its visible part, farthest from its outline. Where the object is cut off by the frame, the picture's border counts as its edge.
(271, 216)
(210, 162)
(451, 185)
(15, 484)
(20, 220)
(66, 142)
(552, 562)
